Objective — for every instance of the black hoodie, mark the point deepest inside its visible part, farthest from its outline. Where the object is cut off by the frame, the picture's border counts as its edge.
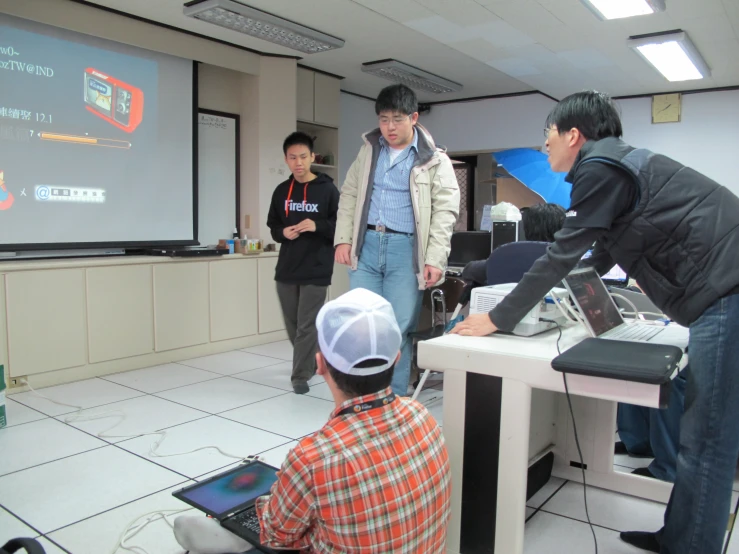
(309, 259)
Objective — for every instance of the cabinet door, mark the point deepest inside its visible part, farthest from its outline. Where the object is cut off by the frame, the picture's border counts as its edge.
(270, 312)
(120, 312)
(327, 91)
(233, 299)
(305, 94)
(46, 320)
(181, 305)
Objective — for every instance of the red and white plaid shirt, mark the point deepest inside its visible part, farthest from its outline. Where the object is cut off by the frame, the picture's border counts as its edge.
(374, 482)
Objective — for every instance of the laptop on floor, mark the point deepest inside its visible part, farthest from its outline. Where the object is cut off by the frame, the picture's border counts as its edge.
(230, 499)
(603, 319)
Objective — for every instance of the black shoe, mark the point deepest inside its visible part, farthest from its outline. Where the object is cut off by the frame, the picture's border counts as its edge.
(644, 472)
(300, 387)
(641, 539)
(620, 448)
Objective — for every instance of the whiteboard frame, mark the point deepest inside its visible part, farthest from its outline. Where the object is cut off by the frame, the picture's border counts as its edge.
(237, 126)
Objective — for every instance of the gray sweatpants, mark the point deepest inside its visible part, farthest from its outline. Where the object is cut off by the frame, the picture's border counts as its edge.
(300, 306)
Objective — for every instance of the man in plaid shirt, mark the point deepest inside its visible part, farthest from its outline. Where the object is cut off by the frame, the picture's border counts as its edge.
(375, 478)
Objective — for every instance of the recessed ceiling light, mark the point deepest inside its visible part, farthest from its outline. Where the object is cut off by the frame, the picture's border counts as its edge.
(251, 21)
(672, 54)
(415, 78)
(617, 9)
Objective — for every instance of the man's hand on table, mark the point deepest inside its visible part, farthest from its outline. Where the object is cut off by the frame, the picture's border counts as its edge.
(475, 325)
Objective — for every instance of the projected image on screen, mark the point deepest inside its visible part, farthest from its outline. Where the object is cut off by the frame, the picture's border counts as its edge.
(95, 140)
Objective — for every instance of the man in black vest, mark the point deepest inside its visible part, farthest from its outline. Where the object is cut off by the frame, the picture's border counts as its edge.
(677, 233)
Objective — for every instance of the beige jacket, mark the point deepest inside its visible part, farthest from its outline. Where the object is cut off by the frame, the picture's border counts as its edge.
(434, 195)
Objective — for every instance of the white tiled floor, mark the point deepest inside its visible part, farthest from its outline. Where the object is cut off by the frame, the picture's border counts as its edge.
(78, 493)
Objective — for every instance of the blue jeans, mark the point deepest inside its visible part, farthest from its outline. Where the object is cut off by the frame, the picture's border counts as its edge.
(386, 268)
(652, 432)
(698, 510)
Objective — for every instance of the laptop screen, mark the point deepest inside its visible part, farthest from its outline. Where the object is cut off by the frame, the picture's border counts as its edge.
(617, 276)
(594, 301)
(222, 494)
(469, 246)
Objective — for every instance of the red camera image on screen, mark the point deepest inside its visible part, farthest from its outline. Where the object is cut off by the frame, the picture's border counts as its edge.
(113, 100)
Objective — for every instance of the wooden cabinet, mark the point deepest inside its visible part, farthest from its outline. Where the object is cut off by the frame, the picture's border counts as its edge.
(120, 313)
(326, 100)
(233, 299)
(181, 305)
(306, 94)
(46, 320)
(270, 312)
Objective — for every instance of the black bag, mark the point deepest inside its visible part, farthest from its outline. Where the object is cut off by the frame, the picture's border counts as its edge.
(30, 546)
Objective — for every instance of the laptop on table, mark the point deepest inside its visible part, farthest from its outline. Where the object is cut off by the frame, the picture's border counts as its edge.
(466, 247)
(230, 499)
(603, 319)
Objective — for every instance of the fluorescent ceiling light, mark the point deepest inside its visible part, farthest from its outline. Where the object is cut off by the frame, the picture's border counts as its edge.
(415, 78)
(250, 21)
(617, 9)
(672, 54)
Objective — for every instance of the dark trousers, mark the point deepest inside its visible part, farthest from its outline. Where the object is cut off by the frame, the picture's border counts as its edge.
(300, 306)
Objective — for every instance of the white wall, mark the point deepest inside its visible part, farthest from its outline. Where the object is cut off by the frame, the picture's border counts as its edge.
(706, 139)
(487, 125)
(356, 118)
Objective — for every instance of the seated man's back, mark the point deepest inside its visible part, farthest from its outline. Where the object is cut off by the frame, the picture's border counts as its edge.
(375, 478)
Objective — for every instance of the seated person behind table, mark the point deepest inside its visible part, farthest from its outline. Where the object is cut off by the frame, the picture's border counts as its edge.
(375, 479)
(540, 222)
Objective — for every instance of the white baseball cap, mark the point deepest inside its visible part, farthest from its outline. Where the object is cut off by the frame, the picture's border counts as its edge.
(358, 326)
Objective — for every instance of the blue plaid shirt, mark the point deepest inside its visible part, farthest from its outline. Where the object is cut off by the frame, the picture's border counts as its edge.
(391, 203)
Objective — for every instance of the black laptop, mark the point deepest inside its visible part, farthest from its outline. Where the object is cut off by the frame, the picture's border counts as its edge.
(230, 499)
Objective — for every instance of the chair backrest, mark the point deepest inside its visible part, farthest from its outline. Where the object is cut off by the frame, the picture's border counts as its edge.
(510, 262)
(452, 288)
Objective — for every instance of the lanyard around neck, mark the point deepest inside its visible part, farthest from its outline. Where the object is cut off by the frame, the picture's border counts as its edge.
(365, 406)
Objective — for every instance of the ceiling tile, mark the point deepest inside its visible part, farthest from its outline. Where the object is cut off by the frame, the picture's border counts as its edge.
(526, 15)
(515, 67)
(683, 10)
(709, 29)
(644, 24)
(461, 12)
(398, 10)
(586, 58)
(503, 35)
(439, 29)
(480, 49)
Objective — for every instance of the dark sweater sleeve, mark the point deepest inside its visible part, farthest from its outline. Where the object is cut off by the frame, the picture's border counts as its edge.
(326, 228)
(562, 256)
(601, 260)
(274, 221)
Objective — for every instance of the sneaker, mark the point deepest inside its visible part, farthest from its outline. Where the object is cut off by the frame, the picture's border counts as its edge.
(300, 387)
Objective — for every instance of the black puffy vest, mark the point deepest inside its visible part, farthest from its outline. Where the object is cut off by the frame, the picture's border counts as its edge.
(681, 240)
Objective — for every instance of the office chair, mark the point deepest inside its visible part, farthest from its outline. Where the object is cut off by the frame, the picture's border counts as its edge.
(30, 546)
(510, 262)
(436, 301)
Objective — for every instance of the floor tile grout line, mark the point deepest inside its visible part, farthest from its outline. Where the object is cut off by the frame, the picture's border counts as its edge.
(91, 407)
(217, 376)
(184, 363)
(256, 454)
(55, 460)
(153, 462)
(59, 546)
(23, 521)
(540, 506)
(580, 521)
(258, 428)
(116, 507)
(270, 386)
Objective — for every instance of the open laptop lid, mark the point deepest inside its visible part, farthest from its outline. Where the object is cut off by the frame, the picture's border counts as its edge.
(230, 492)
(591, 297)
(617, 277)
(468, 246)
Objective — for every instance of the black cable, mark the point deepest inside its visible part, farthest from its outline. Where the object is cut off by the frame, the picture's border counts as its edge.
(577, 440)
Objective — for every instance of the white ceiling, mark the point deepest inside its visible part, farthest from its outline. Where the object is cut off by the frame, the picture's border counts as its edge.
(490, 46)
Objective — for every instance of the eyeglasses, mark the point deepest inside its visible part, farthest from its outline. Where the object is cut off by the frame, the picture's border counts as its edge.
(397, 120)
(548, 130)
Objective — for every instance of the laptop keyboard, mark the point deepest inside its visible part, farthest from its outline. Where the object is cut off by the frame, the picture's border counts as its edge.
(635, 332)
(248, 519)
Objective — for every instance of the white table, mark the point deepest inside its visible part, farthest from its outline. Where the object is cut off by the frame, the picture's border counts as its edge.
(493, 430)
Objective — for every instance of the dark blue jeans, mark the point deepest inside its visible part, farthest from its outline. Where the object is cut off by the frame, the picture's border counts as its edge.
(698, 510)
(652, 432)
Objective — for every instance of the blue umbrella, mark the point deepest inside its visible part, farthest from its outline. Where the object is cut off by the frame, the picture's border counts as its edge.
(532, 169)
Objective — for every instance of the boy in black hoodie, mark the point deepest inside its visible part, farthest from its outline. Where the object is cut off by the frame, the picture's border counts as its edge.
(302, 217)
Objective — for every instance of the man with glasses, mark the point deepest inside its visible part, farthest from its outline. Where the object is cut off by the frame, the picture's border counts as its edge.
(398, 207)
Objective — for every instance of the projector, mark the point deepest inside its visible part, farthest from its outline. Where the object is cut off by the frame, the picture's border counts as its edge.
(485, 299)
